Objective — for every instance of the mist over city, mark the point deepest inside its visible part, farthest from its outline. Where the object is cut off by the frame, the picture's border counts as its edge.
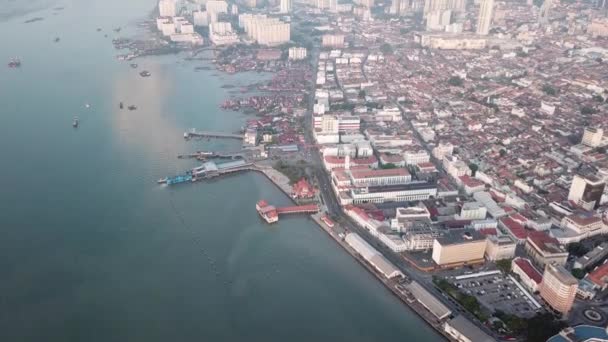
(310, 170)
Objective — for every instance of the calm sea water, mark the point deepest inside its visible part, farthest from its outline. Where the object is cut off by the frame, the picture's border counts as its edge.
(91, 249)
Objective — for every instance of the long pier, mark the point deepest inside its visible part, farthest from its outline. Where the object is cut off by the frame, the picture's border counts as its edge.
(208, 170)
(271, 213)
(193, 133)
(204, 155)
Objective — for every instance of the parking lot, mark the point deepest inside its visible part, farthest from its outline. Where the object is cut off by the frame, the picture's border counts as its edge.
(498, 292)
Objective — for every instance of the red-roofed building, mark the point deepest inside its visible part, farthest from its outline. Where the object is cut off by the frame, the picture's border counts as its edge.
(471, 185)
(394, 159)
(362, 218)
(599, 276)
(377, 215)
(528, 274)
(497, 196)
(427, 167)
(583, 223)
(267, 212)
(514, 229)
(488, 231)
(302, 190)
(261, 204)
(499, 247)
(519, 218)
(380, 177)
(333, 162)
(544, 249)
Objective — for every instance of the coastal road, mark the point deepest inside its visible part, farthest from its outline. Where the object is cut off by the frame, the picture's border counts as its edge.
(334, 209)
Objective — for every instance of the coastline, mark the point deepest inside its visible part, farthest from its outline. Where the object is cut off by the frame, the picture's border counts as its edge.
(418, 309)
(414, 306)
(281, 181)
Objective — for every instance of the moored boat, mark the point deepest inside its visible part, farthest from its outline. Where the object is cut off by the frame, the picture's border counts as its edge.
(14, 63)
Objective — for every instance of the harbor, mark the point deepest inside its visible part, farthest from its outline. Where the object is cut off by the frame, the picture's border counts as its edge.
(111, 244)
(207, 170)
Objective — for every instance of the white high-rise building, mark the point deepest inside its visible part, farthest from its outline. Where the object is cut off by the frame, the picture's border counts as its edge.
(558, 288)
(438, 20)
(366, 3)
(486, 12)
(362, 13)
(543, 15)
(592, 137)
(297, 53)
(333, 40)
(167, 8)
(286, 6)
(217, 6)
(200, 18)
(402, 7)
(333, 6)
(587, 191)
(434, 5)
(264, 30)
(168, 28)
(221, 33)
(457, 5)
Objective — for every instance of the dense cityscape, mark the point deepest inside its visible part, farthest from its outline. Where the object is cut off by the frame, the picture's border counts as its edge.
(456, 149)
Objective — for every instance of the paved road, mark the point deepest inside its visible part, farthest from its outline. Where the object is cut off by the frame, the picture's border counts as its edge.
(334, 209)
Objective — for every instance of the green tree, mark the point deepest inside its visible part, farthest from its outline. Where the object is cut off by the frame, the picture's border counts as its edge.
(515, 324)
(388, 166)
(577, 249)
(549, 90)
(473, 167)
(578, 273)
(362, 94)
(386, 49)
(502, 152)
(543, 326)
(586, 110)
(504, 265)
(470, 303)
(455, 81)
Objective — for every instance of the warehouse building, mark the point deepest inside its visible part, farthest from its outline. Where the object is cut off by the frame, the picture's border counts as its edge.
(461, 329)
(371, 255)
(429, 301)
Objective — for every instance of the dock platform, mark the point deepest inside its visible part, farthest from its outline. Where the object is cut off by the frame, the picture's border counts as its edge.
(271, 213)
(193, 133)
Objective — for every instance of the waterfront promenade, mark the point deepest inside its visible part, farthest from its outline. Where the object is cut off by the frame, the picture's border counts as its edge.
(282, 182)
(390, 284)
(279, 179)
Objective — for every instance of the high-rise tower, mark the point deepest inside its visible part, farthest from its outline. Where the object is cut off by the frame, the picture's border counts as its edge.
(486, 12)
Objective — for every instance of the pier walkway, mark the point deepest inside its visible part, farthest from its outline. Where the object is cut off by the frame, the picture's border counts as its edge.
(271, 213)
(193, 133)
(299, 209)
(204, 155)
